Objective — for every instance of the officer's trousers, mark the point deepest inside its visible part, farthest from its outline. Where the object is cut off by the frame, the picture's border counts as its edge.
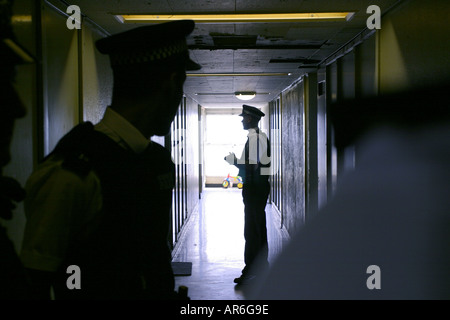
(255, 230)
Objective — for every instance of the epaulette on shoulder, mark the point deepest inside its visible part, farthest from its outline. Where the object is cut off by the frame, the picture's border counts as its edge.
(79, 164)
(73, 149)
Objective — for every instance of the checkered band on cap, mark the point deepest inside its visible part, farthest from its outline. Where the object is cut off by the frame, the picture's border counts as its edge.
(148, 55)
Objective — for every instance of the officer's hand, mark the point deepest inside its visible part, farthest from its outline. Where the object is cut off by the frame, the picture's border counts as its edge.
(230, 158)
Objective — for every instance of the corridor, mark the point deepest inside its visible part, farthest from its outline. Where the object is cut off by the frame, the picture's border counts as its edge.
(351, 95)
(213, 240)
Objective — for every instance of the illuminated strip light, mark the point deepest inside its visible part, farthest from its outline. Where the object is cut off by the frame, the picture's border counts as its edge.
(274, 74)
(19, 51)
(225, 93)
(235, 18)
(21, 18)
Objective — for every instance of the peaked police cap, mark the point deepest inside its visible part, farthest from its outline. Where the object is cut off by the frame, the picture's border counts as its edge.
(158, 43)
(252, 111)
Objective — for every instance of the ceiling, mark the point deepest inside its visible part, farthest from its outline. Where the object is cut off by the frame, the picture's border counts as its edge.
(261, 57)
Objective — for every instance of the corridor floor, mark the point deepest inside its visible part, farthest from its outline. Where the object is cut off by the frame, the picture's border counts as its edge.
(213, 240)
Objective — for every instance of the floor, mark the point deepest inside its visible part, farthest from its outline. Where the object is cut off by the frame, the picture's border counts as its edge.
(213, 240)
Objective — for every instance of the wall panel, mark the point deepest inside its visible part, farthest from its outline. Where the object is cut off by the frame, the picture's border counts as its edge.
(184, 146)
(275, 141)
(293, 157)
(24, 142)
(97, 79)
(413, 45)
(311, 143)
(346, 84)
(332, 92)
(60, 77)
(322, 134)
(365, 69)
(192, 155)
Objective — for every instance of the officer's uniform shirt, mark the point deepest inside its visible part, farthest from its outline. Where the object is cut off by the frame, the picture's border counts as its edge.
(257, 148)
(60, 203)
(122, 132)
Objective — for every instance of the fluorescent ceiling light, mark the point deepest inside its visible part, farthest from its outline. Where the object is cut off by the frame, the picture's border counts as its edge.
(236, 18)
(19, 51)
(245, 95)
(21, 18)
(223, 93)
(237, 74)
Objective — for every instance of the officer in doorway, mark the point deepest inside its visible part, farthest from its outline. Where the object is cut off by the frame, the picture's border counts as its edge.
(254, 168)
(102, 199)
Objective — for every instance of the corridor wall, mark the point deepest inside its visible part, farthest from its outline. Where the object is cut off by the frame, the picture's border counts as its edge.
(413, 45)
(409, 51)
(293, 157)
(184, 145)
(71, 82)
(24, 142)
(310, 164)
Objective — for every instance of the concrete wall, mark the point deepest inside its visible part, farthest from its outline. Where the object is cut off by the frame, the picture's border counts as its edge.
(293, 157)
(311, 125)
(184, 145)
(411, 50)
(413, 45)
(71, 83)
(322, 133)
(191, 160)
(96, 76)
(23, 147)
(276, 193)
(61, 105)
(77, 79)
(59, 91)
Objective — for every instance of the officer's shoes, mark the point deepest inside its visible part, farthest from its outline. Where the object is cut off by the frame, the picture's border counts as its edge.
(245, 279)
